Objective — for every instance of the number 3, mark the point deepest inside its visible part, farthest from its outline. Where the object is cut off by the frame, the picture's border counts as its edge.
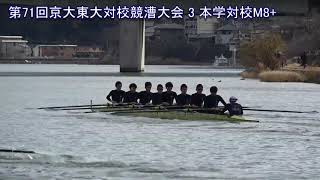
(191, 12)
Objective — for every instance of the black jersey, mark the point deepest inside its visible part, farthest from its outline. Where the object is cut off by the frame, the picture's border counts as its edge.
(234, 109)
(145, 97)
(197, 99)
(169, 97)
(157, 98)
(116, 95)
(183, 99)
(130, 97)
(212, 101)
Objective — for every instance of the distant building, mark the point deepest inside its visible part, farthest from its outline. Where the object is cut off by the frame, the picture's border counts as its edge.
(221, 61)
(88, 52)
(14, 47)
(150, 33)
(54, 51)
(149, 30)
(169, 32)
(200, 27)
(226, 34)
(67, 51)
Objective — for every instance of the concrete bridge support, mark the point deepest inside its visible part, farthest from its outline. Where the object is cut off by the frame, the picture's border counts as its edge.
(132, 45)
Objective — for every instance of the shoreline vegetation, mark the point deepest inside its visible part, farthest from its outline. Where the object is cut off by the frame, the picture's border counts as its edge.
(290, 73)
(267, 57)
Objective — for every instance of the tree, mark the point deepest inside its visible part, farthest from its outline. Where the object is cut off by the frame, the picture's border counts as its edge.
(262, 52)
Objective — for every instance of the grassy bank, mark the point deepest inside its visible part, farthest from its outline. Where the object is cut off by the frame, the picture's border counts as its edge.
(291, 73)
(281, 76)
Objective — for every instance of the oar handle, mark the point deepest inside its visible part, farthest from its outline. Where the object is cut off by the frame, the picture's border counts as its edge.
(17, 151)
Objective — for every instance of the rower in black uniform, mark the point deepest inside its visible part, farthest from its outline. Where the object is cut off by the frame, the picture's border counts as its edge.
(233, 107)
(117, 95)
(183, 99)
(197, 98)
(169, 96)
(146, 96)
(157, 98)
(212, 100)
(131, 96)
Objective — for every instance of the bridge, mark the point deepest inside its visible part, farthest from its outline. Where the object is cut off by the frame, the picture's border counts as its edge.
(132, 34)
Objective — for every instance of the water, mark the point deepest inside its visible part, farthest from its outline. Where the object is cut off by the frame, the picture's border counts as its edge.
(75, 145)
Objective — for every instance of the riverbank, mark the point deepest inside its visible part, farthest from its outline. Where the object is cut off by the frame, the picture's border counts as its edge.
(97, 61)
(290, 73)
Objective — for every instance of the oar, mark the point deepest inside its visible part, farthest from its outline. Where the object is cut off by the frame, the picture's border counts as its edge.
(97, 107)
(283, 111)
(17, 151)
(90, 105)
(75, 106)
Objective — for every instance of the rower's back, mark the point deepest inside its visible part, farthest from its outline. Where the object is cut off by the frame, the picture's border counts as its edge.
(197, 98)
(157, 98)
(145, 97)
(116, 95)
(183, 99)
(234, 109)
(131, 96)
(169, 96)
(213, 100)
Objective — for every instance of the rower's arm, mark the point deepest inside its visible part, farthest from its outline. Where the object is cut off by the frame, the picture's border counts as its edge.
(241, 110)
(222, 101)
(108, 97)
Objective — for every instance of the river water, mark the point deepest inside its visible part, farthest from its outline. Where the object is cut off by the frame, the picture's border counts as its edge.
(76, 145)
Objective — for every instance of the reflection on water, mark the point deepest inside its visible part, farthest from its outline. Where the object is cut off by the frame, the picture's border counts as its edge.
(88, 146)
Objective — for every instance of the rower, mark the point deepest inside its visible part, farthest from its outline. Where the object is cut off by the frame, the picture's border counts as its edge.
(131, 96)
(157, 98)
(169, 96)
(183, 99)
(233, 107)
(117, 95)
(146, 96)
(197, 98)
(212, 100)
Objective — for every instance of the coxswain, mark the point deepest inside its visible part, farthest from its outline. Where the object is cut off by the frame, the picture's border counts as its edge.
(197, 98)
(169, 96)
(233, 107)
(183, 99)
(157, 98)
(117, 95)
(131, 96)
(146, 96)
(212, 100)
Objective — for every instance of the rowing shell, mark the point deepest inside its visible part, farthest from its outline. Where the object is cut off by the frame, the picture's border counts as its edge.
(189, 116)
